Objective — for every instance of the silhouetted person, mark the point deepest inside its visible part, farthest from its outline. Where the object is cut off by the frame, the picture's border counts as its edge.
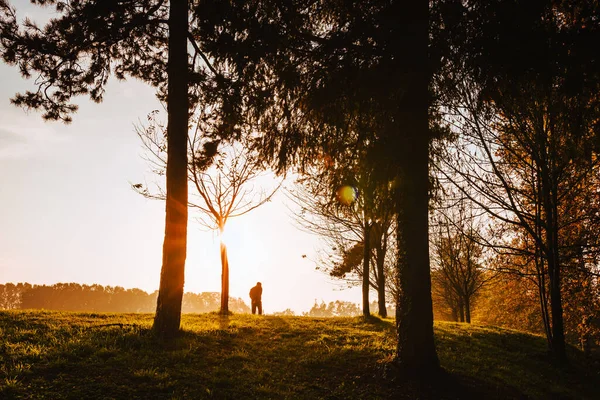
(256, 297)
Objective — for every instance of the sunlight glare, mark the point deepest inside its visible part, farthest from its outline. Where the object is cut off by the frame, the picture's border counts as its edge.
(224, 236)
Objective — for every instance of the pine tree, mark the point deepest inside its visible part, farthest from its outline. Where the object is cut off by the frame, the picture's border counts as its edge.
(76, 53)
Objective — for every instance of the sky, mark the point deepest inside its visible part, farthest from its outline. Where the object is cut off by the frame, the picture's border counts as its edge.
(68, 213)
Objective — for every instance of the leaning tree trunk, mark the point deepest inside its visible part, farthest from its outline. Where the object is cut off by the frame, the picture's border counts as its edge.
(416, 352)
(366, 272)
(224, 279)
(170, 294)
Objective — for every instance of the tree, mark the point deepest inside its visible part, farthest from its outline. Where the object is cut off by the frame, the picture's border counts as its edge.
(333, 309)
(285, 313)
(11, 295)
(526, 69)
(97, 298)
(310, 77)
(528, 177)
(170, 292)
(458, 274)
(345, 206)
(76, 52)
(223, 180)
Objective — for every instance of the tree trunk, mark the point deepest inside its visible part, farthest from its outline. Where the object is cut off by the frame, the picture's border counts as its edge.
(541, 285)
(224, 279)
(454, 313)
(381, 284)
(461, 310)
(556, 311)
(538, 258)
(414, 311)
(467, 302)
(366, 272)
(170, 294)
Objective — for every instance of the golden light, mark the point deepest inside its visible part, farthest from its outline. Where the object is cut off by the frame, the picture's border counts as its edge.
(346, 194)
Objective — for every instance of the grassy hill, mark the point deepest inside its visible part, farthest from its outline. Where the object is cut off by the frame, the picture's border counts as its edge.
(60, 355)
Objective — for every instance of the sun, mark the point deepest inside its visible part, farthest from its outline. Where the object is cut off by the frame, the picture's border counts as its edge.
(225, 236)
(233, 233)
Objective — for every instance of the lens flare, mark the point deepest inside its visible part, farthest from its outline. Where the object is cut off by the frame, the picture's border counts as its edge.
(346, 194)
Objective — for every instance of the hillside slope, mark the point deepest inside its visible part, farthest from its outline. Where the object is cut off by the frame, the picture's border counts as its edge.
(86, 356)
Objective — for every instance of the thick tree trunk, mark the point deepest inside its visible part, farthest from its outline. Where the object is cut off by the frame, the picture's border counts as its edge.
(366, 272)
(224, 280)
(170, 294)
(461, 310)
(467, 302)
(414, 311)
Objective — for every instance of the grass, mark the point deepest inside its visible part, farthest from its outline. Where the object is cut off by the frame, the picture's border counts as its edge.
(58, 355)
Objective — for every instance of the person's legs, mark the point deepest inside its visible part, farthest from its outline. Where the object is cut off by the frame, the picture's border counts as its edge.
(253, 307)
(260, 308)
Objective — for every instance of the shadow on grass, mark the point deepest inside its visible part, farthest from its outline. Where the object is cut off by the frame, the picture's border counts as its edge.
(377, 322)
(511, 359)
(242, 357)
(223, 358)
(444, 385)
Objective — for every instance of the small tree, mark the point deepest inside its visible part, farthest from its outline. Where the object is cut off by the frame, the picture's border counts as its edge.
(457, 274)
(223, 180)
(358, 212)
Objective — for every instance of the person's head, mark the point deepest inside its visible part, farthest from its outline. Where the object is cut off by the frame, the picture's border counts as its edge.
(258, 284)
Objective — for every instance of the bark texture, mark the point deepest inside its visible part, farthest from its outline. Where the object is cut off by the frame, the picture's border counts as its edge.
(170, 295)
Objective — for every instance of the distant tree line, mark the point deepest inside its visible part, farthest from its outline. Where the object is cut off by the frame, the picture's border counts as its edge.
(98, 298)
(337, 309)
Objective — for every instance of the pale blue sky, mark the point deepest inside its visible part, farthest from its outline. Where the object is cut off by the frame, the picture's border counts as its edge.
(68, 213)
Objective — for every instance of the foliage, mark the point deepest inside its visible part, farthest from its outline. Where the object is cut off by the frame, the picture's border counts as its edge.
(521, 85)
(67, 355)
(511, 300)
(285, 313)
(122, 38)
